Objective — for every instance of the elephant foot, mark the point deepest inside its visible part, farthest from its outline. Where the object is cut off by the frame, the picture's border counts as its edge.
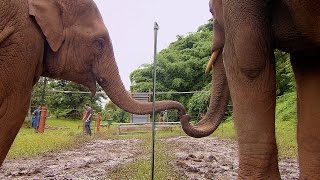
(259, 161)
(259, 167)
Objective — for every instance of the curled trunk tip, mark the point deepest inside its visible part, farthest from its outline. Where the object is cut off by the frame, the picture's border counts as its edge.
(199, 130)
(217, 107)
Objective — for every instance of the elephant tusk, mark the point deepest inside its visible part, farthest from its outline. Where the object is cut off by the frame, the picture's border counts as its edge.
(213, 58)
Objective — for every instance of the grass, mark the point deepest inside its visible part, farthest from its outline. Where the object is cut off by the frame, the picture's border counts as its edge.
(286, 138)
(286, 125)
(140, 167)
(61, 135)
(226, 130)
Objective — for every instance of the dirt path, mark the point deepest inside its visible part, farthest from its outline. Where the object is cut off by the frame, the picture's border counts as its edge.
(91, 161)
(214, 158)
(205, 158)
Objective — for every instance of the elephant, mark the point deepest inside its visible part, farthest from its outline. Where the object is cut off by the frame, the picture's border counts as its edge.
(246, 33)
(60, 39)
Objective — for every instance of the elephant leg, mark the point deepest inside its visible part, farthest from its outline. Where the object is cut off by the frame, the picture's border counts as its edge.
(306, 68)
(12, 114)
(249, 63)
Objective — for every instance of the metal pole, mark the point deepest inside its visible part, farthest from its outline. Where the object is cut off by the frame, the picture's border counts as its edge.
(156, 27)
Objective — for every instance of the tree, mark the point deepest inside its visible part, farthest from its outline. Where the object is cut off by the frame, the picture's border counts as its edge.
(199, 102)
(284, 73)
(60, 103)
(115, 113)
(36, 97)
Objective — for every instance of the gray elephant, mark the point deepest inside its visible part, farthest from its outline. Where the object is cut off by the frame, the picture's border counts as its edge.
(245, 35)
(63, 39)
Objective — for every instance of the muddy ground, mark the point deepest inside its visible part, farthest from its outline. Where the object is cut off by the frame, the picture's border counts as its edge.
(206, 158)
(91, 161)
(215, 158)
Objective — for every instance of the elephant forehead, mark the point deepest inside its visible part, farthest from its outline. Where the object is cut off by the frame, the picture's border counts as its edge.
(95, 28)
(80, 10)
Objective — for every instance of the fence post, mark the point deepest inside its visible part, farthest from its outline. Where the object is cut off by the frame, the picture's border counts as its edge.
(98, 122)
(43, 117)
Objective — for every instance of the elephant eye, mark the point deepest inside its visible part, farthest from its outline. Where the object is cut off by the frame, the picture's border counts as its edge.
(99, 43)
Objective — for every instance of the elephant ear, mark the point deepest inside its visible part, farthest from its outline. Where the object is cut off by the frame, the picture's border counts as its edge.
(48, 15)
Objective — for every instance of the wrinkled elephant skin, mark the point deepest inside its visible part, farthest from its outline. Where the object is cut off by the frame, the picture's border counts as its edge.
(247, 32)
(63, 39)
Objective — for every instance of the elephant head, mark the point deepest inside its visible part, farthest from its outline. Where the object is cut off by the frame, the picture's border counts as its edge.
(78, 48)
(220, 91)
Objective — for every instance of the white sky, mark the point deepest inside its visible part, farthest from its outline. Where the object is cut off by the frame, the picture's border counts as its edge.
(130, 24)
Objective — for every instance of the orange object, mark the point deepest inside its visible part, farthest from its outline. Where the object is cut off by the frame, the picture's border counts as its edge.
(43, 117)
(84, 121)
(98, 122)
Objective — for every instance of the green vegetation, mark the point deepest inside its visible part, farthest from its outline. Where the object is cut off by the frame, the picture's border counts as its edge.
(61, 103)
(140, 168)
(286, 107)
(286, 125)
(115, 113)
(286, 138)
(226, 130)
(60, 135)
(180, 68)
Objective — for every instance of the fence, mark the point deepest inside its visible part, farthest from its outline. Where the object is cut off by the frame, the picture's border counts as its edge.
(146, 127)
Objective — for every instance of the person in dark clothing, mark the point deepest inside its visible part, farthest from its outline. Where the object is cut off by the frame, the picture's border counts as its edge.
(88, 116)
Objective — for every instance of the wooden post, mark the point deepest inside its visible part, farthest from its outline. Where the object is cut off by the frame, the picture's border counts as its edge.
(98, 122)
(43, 117)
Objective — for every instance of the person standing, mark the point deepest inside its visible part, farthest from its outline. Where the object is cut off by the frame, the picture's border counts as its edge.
(35, 119)
(88, 116)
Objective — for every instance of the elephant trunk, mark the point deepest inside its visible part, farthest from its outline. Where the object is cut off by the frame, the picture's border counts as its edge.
(218, 104)
(108, 77)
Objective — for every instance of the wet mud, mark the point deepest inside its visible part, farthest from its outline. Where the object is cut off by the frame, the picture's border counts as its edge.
(215, 158)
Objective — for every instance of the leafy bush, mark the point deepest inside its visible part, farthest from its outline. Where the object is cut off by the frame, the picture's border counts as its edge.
(198, 103)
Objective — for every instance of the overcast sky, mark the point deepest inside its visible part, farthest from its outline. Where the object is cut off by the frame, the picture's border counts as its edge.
(131, 22)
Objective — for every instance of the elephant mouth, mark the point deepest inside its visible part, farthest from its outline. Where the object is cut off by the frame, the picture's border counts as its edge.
(91, 83)
(102, 82)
